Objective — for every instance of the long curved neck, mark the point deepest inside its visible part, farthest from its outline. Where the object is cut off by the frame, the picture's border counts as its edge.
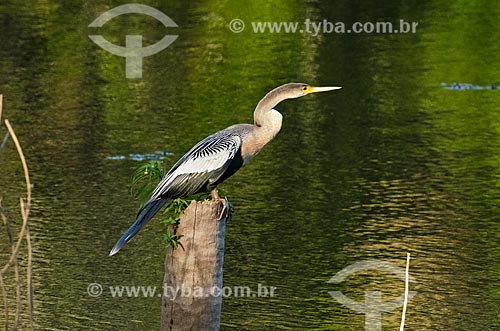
(261, 115)
(267, 121)
(267, 124)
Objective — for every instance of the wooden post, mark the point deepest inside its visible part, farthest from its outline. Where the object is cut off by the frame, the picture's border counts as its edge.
(193, 275)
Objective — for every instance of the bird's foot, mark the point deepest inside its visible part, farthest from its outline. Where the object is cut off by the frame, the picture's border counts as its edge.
(222, 209)
(222, 203)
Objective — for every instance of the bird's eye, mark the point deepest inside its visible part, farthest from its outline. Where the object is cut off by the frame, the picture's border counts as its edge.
(304, 88)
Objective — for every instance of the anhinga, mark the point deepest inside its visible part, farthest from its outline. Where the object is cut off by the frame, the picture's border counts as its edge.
(218, 156)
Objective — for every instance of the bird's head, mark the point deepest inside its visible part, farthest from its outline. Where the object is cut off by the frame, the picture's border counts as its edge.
(297, 90)
(289, 91)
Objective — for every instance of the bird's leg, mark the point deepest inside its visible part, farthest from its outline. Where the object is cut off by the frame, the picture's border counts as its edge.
(222, 203)
(215, 194)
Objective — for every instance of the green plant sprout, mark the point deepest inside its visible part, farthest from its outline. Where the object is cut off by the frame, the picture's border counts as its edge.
(144, 180)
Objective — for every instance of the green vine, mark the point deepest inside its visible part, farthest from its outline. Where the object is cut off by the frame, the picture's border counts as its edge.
(173, 211)
(144, 181)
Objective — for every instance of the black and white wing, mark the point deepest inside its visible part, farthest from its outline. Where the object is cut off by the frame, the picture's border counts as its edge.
(210, 161)
(205, 164)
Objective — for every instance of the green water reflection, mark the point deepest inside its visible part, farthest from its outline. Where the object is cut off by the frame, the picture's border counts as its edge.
(389, 164)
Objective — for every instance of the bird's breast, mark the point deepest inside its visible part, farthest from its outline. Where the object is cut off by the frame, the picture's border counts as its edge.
(252, 144)
(249, 150)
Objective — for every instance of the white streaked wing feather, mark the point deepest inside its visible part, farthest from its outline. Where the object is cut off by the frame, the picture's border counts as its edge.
(209, 157)
(209, 162)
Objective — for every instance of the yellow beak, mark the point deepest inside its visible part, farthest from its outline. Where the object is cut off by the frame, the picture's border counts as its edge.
(313, 89)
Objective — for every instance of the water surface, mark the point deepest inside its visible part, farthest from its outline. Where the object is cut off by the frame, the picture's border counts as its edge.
(392, 163)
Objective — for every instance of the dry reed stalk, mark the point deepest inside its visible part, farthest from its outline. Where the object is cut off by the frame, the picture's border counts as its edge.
(24, 233)
(407, 285)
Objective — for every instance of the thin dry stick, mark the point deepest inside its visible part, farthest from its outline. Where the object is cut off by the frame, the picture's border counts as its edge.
(25, 219)
(407, 285)
(2, 283)
(5, 302)
(28, 190)
(25, 210)
(29, 277)
(23, 161)
(5, 221)
(18, 294)
(9, 234)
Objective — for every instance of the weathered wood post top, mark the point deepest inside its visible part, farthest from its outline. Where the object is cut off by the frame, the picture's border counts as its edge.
(193, 276)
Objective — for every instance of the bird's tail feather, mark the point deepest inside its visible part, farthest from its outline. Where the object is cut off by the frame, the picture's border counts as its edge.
(146, 213)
